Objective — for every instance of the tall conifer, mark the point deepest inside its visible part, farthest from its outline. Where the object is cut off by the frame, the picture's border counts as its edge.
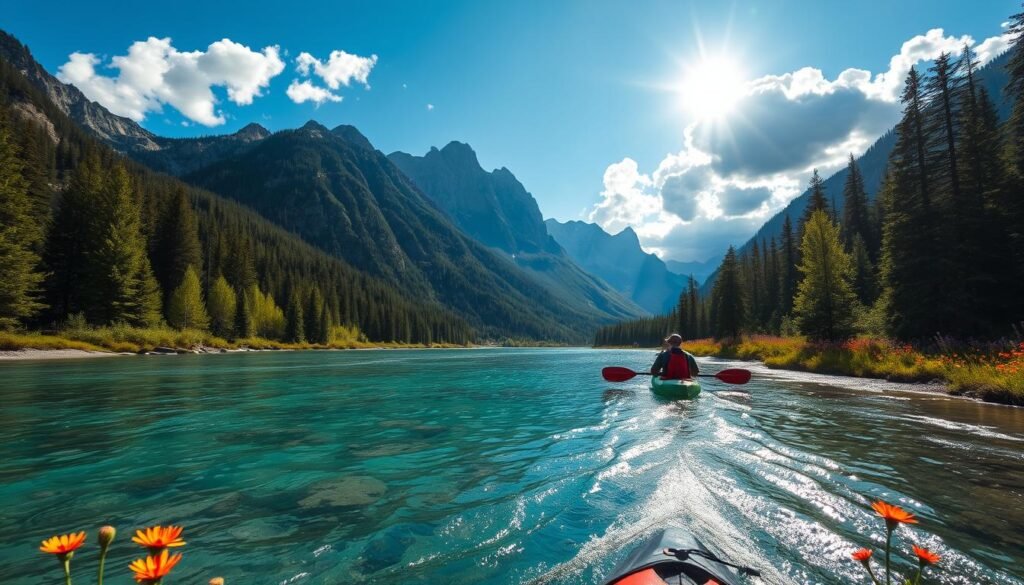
(19, 237)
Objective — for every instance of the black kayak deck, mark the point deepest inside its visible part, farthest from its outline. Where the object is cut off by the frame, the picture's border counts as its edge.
(680, 567)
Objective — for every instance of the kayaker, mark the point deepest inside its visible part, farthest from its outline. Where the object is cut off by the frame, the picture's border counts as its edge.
(673, 363)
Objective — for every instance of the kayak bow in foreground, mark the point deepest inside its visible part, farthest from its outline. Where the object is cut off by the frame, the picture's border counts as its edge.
(673, 555)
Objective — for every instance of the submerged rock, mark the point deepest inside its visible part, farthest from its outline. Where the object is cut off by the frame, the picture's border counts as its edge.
(355, 490)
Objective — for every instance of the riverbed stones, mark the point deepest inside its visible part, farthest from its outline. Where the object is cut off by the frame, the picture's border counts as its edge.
(354, 490)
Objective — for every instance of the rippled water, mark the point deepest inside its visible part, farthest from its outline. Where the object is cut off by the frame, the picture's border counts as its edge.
(491, 466)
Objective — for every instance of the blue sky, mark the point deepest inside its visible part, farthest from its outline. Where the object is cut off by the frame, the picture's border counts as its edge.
(561, 93)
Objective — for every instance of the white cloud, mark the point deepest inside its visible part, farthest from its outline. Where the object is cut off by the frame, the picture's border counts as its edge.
(304, 91)
(430, 107)
(154, 73)
(340, 69)
(729, 177)
(993, 47)
(626, 198)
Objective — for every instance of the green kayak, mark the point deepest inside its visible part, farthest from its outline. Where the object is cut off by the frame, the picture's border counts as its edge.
(685, 389)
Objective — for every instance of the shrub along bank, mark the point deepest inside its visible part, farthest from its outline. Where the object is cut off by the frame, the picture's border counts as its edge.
(994, 373)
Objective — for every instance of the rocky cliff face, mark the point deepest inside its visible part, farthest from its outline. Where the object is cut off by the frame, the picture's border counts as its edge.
(176, 156)
(493, 207)
(121, 133)
(332, 188)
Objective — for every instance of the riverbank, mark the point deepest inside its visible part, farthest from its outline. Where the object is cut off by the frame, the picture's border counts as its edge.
(988, 373)
(984, 373)
(113, 341)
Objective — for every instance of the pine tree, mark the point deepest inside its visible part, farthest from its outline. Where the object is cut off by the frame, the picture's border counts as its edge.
(682, 313)
(1013, 199)
(773, 281)
(186, 309)
(788, 273)
(326, 327)
(295, 331)
(313, 312)
(244, 325)
(68, 247)
(241, 270)
(19, 237)
(816, 201)
(177, 241)
(755, 287)
(693, 307)
(983, 253)
(727, 296)
(915, 276)
(825, 302)
(222, 305)
(856, 214)
(122, 286)
(865, 283)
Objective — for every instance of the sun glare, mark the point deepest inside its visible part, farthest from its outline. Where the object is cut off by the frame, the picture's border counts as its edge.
(711, 88)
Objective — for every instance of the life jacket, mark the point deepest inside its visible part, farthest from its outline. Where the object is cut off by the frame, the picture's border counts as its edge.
(678, 366)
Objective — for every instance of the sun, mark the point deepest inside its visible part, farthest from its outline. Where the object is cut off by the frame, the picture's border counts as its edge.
(712, 87)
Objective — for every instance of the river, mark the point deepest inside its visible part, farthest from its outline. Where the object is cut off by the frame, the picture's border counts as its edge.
(491, 466)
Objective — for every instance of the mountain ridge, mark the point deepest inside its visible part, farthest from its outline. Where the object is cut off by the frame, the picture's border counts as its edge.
(337, 192)
(495, 209)
(621, 262)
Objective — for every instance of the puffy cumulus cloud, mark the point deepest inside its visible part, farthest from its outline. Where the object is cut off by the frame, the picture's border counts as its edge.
(340, 69)
(700, 240)
(680, 198)
(798, 120)
(778, 130)
(154, 73)
(731, 175)
(304, 91)
(627, 199)
(738, 200)
(887, 86)
(993, 47)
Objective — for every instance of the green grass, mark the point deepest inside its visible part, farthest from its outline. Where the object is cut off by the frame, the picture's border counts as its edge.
(995, 376)
(122, 338)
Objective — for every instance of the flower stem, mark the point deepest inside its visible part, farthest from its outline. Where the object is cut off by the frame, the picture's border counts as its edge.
(917, 579)
(871, 574)
(103, 557)
(67, 570)
(888, 543)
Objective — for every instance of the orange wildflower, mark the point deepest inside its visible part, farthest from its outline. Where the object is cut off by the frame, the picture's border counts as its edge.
(154, 568)
(157, 538)
(862, 555)
(925, 556)
(894, 515)
(63, 544)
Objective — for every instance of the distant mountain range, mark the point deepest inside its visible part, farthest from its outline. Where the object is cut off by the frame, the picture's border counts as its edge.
(495, 209)
(621, 262)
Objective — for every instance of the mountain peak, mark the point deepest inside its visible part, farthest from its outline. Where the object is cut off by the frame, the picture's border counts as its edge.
(251, 132)
(314, 126)
(628, 235)
(352, 135)
(460, 152)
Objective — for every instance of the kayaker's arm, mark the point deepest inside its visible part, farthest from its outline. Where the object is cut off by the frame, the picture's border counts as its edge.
(659, 363)
(694, 370)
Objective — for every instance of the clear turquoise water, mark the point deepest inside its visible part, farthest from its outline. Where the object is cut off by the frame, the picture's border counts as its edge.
(489, 466)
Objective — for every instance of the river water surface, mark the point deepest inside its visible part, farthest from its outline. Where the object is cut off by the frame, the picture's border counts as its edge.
(491, 466)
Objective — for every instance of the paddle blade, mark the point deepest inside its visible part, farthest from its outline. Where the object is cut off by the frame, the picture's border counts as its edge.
(617, 374)
(734, 376)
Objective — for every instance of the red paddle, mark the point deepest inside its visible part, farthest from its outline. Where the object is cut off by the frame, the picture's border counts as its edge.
(731, 376)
